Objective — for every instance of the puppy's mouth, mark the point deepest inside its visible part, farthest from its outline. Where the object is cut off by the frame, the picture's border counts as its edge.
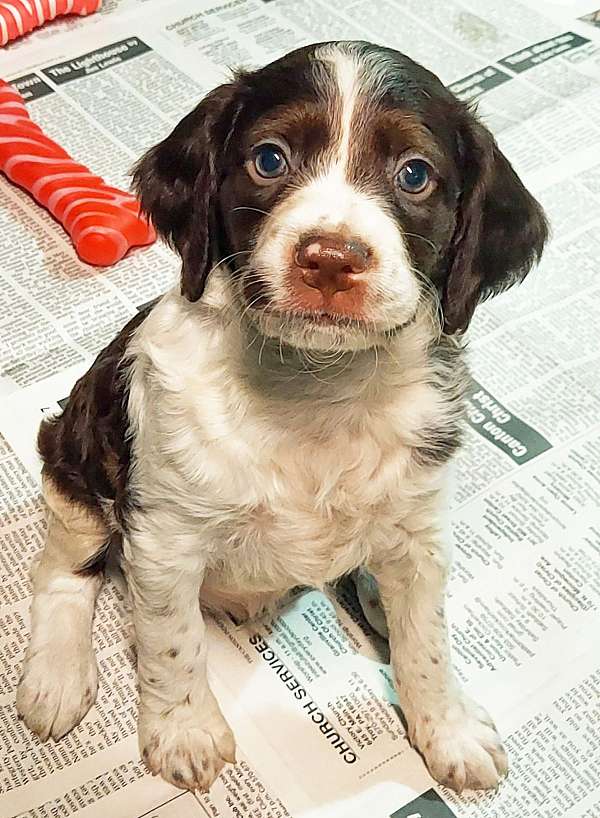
(322, 318)
(258, 303)
(318, 326)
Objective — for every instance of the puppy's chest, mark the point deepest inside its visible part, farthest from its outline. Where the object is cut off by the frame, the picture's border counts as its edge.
(285, 508)
(308, 522)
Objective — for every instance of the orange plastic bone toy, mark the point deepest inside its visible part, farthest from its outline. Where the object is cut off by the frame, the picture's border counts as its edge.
(103, 222)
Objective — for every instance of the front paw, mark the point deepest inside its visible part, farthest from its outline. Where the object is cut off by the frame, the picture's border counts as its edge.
(188, 745)
(57, 688)
(462, 748)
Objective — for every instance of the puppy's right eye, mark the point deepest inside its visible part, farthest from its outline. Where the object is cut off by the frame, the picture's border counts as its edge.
(269, 162)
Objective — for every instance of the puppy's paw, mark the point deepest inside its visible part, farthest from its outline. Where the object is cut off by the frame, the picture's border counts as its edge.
(57, 688)
(187, 747)
(462, 749)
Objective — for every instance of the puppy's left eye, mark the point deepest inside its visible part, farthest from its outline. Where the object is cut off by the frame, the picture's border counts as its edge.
(415, 176)
(269, 162)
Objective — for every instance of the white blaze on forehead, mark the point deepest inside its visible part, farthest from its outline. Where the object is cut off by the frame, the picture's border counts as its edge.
(329, 201)
(347, 72)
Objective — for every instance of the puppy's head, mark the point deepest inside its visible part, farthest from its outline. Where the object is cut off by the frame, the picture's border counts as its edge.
(343, 185)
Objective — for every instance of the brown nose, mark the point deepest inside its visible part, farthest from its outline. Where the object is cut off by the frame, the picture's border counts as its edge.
(330, 264)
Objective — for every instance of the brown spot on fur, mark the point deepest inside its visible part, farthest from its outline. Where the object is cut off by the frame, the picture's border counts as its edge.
(205, 764)
(172, 653)
(435, 660)
(451, 771)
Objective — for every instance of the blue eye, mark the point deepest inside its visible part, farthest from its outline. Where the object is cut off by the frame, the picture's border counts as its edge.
(270, 161)
(414, 176)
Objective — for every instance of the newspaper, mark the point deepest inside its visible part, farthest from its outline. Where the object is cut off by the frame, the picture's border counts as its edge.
(309, 694)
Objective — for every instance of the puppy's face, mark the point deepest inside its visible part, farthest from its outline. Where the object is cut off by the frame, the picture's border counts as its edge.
(346, 198)
(344, 185)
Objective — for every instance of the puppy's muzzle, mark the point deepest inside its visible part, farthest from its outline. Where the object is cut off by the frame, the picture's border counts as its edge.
(329, 274)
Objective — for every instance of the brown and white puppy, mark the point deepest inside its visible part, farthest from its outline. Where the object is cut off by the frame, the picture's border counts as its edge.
(286, 415)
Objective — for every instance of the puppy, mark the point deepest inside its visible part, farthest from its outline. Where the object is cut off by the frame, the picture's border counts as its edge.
(286, 414)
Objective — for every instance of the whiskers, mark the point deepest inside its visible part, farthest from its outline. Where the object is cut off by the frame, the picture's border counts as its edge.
(288, 335)
(430, 302)
(227, 258)
(423, 238)
(317, 361)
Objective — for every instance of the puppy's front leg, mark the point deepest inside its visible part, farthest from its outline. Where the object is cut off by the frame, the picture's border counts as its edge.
(456, 737)
(182, 732)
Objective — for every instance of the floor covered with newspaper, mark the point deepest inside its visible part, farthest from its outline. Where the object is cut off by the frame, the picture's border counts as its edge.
(309, 694)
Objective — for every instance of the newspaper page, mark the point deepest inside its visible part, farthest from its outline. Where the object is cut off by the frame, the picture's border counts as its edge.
(309, 694)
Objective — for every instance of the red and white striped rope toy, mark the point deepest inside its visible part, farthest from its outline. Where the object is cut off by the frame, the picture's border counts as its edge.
(102, 221)
(18, 17)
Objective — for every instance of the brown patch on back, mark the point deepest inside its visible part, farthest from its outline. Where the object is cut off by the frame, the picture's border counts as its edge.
(85, 450)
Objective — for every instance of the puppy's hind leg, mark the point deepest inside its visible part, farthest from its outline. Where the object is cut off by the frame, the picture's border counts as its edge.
(60, 679)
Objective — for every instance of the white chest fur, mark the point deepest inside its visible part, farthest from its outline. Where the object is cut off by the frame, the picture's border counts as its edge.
(279, 476)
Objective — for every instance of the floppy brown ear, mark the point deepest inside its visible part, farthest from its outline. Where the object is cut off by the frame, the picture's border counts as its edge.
(501, 229)
(177, 183)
